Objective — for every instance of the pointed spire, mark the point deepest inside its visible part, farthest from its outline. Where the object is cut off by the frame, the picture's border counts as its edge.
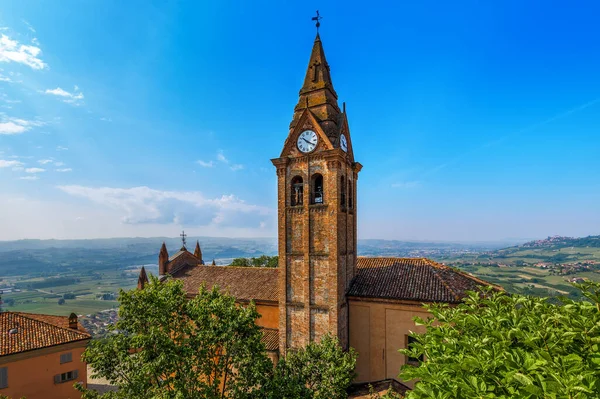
(317, 93)
(214, 264)
(198, 252)
(163, 259)
(142, 279)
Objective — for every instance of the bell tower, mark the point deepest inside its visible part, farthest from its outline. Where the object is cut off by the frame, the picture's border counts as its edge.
(316, 184)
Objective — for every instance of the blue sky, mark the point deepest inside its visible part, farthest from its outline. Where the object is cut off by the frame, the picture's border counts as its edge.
(473, 120)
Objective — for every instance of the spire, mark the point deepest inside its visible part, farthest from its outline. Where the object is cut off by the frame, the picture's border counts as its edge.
(198, 252)
(214, 263)
(163, 259)
(142, 279)
(317, 93)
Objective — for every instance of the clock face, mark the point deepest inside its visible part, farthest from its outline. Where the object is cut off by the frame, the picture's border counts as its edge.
(343, 143)
(307, 141)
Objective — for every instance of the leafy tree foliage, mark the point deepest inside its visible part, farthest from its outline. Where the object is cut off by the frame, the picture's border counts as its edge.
(510, 346)
(205, 347)
(261, 261)
(166, 346)
(318, 371)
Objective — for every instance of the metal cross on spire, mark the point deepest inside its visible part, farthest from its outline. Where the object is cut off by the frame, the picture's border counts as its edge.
(317, 18)
(183, 235)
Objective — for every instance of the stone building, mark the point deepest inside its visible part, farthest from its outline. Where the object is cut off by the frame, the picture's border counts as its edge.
(321, 285)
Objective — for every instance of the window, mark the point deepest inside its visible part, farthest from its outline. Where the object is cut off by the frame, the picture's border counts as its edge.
(343, 191)
(297, 193)
(64, 377)
(66, 358)
(3, 377)
(409, 359)
(317, 189)
(350, 194)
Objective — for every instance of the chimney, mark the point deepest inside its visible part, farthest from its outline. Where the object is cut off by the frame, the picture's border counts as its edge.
(73, 321)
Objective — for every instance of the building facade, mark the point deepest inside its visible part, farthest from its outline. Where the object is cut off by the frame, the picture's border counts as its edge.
(320, 285)
(40, 356)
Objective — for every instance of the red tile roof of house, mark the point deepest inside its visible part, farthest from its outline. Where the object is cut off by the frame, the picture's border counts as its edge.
(415, 279)
(244, 283)
(33, 331)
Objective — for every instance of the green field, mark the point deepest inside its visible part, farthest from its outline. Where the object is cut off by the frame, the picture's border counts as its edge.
(86, 289)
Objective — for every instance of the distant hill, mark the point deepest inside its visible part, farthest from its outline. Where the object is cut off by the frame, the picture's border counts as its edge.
(564, 242)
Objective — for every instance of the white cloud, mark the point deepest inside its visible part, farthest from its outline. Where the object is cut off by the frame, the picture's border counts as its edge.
(76, 97)
(61, 148)
(45, 161)
(59, 163)
(221, 157)
(28, 25)
(17, 126)
(204, 164)
(13, 51)
(5, 79)
(141, 205)
(236, 166)
(34, 170)
(29, 178)
(64, 170)
(8, 164)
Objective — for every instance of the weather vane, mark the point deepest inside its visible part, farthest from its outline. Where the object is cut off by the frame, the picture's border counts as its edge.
(317, 18)
(183, 235)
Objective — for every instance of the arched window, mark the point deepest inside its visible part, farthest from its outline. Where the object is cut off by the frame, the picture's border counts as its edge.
(350, 194)
(343, 191)
(317, 189)
(297, 191)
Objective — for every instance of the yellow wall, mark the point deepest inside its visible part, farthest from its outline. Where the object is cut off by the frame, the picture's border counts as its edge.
(31, 374)
(377, 331)
(269, 315)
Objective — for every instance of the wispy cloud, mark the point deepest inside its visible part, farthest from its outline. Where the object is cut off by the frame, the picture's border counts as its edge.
(222, 158)
(61, 148)
(141, 205)
(204, 164)
(45, 161)
(406, 184)
(28, 25)
(17, 126)
(13, 51)
(34, 170)
(75, 97)
(9, 164)
(63, 170)
(29, 178)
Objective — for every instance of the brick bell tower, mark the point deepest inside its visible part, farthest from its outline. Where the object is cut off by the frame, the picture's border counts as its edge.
(317, 185)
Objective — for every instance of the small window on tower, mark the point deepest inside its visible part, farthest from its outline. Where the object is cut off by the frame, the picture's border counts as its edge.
(350, 194)
(343, 191)
(297, 193)
(317, 189)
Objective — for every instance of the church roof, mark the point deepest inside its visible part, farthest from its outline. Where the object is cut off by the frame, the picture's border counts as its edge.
(244, 283)
(415, 279)
(270, 338)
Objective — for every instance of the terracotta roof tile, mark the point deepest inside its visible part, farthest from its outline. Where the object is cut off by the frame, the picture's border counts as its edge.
(244, 283)
(270, 338)
(35, 331)
(416, 279)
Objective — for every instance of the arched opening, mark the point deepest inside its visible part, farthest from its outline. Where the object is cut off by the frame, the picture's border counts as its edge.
(350, 194)
(297, 191)
(343, 191)
(317, 189)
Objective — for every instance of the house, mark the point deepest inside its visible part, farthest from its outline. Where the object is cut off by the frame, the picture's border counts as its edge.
(321, 285)
(40, 355)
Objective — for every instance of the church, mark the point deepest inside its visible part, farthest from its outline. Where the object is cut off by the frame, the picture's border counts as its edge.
(321, 285)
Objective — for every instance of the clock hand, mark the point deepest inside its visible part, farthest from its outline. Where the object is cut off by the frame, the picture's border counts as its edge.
(309, 142)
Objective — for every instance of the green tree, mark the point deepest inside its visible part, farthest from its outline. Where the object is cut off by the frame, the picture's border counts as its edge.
(260, 261)
(205, 347)
(318, 371)
(509, 346)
